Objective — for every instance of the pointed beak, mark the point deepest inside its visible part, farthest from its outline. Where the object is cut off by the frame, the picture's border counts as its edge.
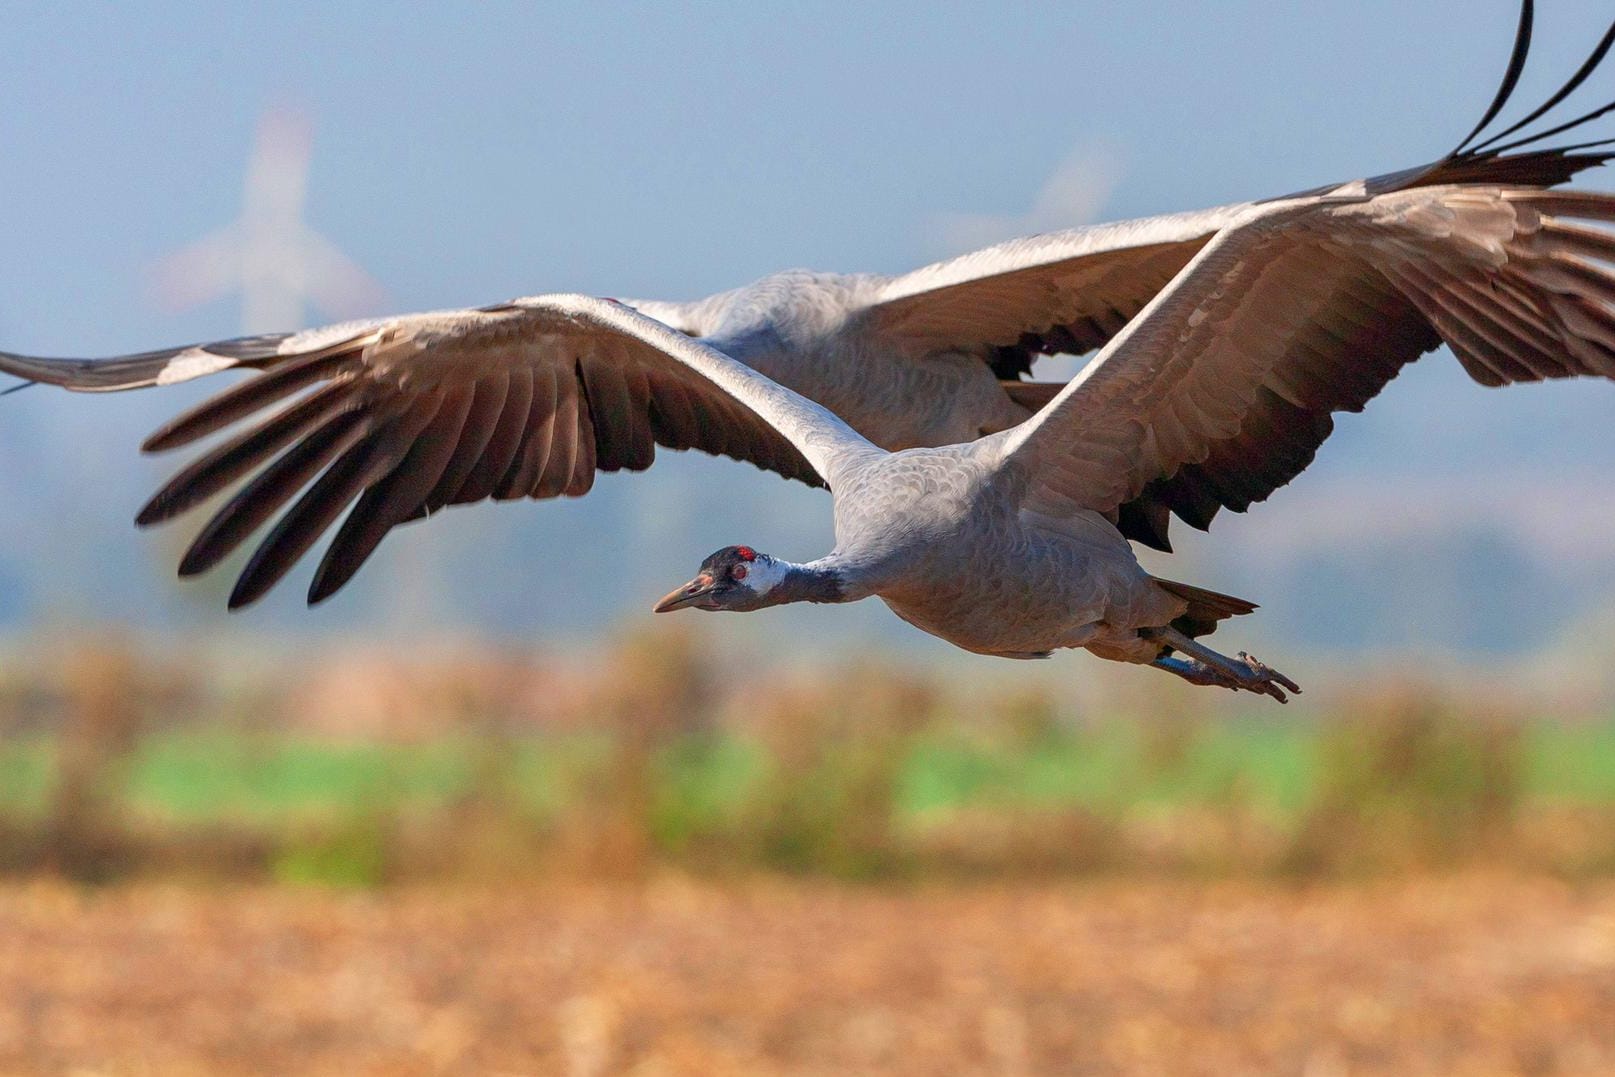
(693, 591)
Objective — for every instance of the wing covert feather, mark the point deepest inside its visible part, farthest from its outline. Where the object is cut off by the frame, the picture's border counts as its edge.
(400, 417)
(1222, 388)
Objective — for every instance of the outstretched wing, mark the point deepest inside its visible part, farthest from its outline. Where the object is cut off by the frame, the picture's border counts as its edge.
(1071, 292)
(400, 417)
(1064, 292)
(1360, 292)
(1221, 389)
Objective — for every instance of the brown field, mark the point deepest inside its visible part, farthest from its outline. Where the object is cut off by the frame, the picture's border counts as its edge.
(1458, 974)
(517, 866)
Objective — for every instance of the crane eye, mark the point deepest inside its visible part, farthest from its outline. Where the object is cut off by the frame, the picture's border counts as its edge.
(738, 572)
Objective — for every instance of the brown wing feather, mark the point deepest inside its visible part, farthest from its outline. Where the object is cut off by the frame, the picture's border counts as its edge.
(1289, 416)
(248, 397)
(1225, 390)
(218, 468)
(482, 419)
(267, 491)
(366, 463)
(397, 496)
(1071, 303)
(406, 418)
(504, 442)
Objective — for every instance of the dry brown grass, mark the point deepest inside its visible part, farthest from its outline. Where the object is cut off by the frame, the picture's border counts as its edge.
(1443, 931)
(1464, 974)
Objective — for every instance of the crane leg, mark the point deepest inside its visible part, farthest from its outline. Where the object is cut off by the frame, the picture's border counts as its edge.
(1202, 665)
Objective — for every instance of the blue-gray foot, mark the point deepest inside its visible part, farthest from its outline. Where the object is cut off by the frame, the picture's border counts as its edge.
(1202, 665)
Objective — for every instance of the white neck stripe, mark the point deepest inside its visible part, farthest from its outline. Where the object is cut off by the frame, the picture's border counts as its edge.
(766, 573)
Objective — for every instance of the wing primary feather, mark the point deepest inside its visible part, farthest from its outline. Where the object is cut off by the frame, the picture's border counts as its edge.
(215, 470)
(1592, 333)
(361, 465)
(1550, 132)
(1583, 242)
(504, 444)
(1574, 146)
(1527, 345)
(672, 416)
(555, 468)
(1578, 205)
(1466, 339)
(1586, 69)
(483, 407)
(221, 410)
(396, 497)
(580, 477)
(640, 404)
(531, 458)
(607, 399)
(1511, 76)
(268, 491)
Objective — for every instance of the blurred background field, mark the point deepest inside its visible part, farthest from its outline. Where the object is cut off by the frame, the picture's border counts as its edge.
(472, 816)
(459, 858)
(368, 767)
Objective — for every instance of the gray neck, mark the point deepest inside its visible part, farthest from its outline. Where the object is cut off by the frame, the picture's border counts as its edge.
(828, 579)
(812, 582)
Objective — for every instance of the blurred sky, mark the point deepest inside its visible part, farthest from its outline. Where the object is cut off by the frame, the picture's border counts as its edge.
(466, 154)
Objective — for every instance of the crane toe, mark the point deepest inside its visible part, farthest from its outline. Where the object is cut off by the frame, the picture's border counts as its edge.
(1242, 674)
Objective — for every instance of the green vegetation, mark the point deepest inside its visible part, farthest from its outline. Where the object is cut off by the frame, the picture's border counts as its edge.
(1320, 797)
(214, 776)
(114, 768)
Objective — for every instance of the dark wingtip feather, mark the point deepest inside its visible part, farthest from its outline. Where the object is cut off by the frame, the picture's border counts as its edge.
(1540, 168)
(395, 498)
(1587, 68)
(267, 491)
(1490, 148)
(1587, 117)
(153, 512)
(239, 457)
(1487, 163)
(368, 462)
(243, 398)
(326, 584)
(1511, 77)
(195, 561)
(241, 597)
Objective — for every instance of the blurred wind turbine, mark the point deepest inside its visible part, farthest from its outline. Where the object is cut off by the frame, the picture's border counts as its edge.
(275, 260)
(1073, 195)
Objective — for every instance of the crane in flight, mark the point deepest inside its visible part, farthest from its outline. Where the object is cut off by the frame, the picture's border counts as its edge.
(991, 511)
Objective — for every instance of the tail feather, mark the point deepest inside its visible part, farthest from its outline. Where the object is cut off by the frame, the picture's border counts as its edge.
(1206, 608)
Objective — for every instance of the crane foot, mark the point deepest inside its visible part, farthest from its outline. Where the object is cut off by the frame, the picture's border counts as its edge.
(1202, 665)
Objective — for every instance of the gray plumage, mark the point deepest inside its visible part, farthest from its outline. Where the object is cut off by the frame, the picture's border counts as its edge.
(992, 512)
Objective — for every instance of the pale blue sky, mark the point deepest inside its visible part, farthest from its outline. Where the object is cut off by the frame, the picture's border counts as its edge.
(468, 152)
(464, 154)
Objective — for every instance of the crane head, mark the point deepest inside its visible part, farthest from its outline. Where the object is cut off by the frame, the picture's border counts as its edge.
(735, 578)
